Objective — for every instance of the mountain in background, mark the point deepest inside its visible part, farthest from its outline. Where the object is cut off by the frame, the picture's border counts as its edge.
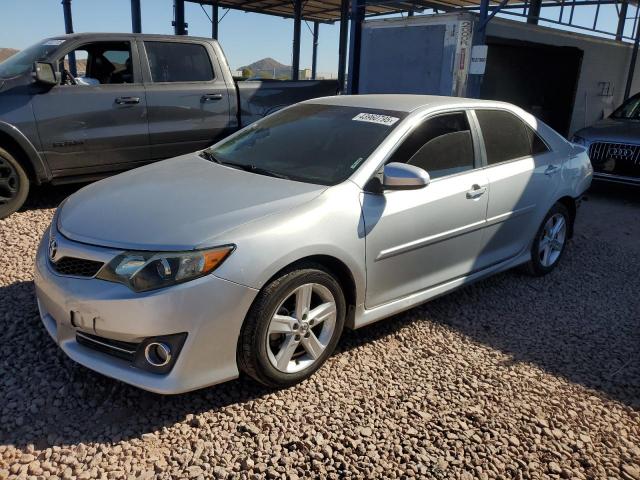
(6, 53)
(266, 67)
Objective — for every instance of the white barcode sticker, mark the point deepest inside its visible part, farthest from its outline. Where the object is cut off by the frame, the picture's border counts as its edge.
(376, 118)
(54, 42)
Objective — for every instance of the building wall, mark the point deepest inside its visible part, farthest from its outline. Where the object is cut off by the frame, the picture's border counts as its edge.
(603, 61)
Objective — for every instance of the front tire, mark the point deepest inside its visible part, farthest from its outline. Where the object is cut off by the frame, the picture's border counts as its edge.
(292, 327)
(550, 241)
(14, 184)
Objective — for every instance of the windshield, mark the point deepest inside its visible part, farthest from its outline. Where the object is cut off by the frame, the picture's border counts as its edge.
(314, 143)
(629, 109)
(22, 61)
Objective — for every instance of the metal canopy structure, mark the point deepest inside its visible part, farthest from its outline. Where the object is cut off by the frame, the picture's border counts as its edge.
(351, 14)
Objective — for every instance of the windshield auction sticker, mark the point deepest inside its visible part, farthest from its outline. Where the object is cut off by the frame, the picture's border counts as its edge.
(376, 118)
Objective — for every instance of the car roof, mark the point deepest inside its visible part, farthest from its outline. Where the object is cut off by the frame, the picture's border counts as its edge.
(403, 103)
(143, 36)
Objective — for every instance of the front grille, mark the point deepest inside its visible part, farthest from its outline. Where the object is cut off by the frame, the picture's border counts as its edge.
(77, 267)
(116, 348)
(615, 158)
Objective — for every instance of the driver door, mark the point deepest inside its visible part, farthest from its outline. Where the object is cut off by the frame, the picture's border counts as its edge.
(100, 123)
(417, 239)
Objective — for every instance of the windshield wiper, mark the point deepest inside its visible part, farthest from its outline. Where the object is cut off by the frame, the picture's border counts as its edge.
(206, 154)
(259, 170)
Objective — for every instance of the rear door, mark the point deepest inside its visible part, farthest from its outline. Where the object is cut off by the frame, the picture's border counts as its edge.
(96, 121)
(523, 176)
(188, 99)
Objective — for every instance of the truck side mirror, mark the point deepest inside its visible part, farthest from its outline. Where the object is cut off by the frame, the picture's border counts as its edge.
(45, 73)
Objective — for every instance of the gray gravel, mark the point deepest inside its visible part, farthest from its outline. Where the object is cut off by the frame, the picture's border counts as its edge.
(513, 377)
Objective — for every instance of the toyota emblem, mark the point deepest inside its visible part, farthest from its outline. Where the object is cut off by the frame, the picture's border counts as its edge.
(53, 249)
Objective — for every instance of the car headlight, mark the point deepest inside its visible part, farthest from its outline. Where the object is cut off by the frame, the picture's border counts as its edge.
(578, 140)
(143, 271)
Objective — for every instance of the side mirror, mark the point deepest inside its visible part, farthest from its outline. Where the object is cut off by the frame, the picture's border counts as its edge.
(402, 176)
(45, 73)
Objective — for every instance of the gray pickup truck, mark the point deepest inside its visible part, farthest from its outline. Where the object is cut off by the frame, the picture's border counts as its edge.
(82, 106)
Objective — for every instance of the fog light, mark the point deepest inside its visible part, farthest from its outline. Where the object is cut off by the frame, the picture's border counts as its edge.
(158, 354)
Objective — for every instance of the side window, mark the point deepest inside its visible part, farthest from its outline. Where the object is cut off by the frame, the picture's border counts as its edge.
(506, 137)
(441, 145)
(178, 62)
(98, 63)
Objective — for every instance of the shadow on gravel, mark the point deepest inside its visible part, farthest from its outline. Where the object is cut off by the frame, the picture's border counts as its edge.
(49, 196)
(579, 323)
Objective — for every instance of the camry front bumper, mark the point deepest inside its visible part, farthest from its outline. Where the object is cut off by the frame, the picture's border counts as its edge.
(80, 313)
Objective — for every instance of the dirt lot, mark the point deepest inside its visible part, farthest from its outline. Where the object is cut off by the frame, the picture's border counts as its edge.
(514, 377)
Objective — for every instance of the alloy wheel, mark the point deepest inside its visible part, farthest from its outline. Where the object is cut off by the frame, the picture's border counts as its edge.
(553, 238)
(9, 182)
(301, 328)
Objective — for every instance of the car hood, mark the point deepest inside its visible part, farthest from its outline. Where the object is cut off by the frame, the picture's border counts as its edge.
(612, 130)
(177, 204)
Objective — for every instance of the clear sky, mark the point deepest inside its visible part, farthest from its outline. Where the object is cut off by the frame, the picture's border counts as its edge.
(245, 37)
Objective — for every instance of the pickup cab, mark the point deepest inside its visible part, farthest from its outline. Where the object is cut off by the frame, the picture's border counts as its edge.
(82, 106)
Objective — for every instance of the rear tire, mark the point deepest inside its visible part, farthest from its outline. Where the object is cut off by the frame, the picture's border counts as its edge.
(292, 327)
(550, 241)
(14, 184)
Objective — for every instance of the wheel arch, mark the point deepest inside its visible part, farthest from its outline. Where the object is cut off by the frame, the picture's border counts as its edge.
(14, 141)
(570, 203)
(338, 269)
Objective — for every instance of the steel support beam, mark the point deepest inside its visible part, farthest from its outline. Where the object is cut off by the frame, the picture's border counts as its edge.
(632, 64)
(484, 19)
(314, 56)
(68, 17)
(474, 82)
(179, 25)
(68, 28)
(355, 43)
(215, 20)
(622, 18)
(342, 45)
(136, 17)
(297, 23)
(534, 11)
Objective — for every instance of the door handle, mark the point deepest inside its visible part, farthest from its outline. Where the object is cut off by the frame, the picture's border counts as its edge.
(552, 169)
(211, 97)
(127, 100)
(476, 192)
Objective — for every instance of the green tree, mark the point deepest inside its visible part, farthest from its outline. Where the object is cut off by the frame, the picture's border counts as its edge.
(247, 73)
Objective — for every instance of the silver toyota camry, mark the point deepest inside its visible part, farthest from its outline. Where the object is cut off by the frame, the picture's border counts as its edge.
(252, 256)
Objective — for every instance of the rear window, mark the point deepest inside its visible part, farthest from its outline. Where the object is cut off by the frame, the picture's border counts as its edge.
(178, 62)
(314, 143)
(506, 137)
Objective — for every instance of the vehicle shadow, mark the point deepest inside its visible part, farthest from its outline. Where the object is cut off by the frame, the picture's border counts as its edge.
(49, 196)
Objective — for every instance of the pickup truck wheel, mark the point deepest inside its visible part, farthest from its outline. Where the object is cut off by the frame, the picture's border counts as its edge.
(292, 327)
(550, 241)
(14, 184)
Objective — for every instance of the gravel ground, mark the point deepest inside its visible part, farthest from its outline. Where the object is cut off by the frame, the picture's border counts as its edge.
(514, 377)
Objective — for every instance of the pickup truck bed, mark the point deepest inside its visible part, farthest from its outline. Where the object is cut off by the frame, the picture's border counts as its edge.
(258, 99)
